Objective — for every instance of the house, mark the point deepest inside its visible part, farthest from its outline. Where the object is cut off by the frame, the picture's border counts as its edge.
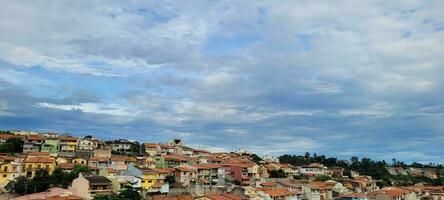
(118, 163)
(51, 145)
(174, 160)
(54, 193)
(152, 149)
(179, 197)
(392, 193)
(223, 196)
(86, 144)
(98, 163)
(68, 144)
(5, 137)
(9, 170)
(89, 185)
(184, 150)
(276, 194)
(214, 174)
(67, 167)
(241, 170)
(147, 176)
(32, 164)
(33, 143)
(352, 196)
(122, 146)
(318, 190)
(102, 152)
(185, 175)
(79, 161)
(313, 169)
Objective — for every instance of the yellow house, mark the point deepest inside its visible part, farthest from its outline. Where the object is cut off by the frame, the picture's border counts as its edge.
(9, 170)
(149, 178)
(68, 144)
(32, 164)
(79, 161)
(151, 149)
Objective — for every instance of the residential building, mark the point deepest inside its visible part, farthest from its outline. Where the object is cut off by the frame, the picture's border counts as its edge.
(32, 164)
(68, 144)
(122, 146)
(90, 185)
(51, 145)
(276, 194)
(79, 161)
(98, 163)
(151, 149)
(118, 163)
(9, 170)
(352, 196)
(86, 144)
(392, 193)
(147, 176)
(313, 169)
(33, 143)
(54, 193)
(318, 191)
(185, 175)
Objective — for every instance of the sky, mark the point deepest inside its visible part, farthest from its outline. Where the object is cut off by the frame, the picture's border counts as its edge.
(341, 78)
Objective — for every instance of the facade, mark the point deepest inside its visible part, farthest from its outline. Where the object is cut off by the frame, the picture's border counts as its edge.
(9, 170)
(185, 175)
(122, 146)
(313, 169)
(88, 186)
(86, 144)
(68, 144)
(318, 191)
(51, 145)
(32, 164)
(151, 149)
(33, 143)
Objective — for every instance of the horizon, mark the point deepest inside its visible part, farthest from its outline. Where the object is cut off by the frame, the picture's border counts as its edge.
(337, 78)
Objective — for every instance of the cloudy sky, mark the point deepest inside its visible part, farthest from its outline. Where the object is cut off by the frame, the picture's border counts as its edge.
(340, 78)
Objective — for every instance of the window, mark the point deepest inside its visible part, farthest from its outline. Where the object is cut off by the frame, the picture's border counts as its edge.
(47, 166)
(5, 175)
(142, 181)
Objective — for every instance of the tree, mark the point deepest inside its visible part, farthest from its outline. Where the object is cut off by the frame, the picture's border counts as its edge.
(105, 197)
(277, 173)
(12, 145)
(256, 159)
(322, 178)
(170, 179)
(130, 193)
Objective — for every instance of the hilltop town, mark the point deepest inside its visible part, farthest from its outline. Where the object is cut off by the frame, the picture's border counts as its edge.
(55, 166)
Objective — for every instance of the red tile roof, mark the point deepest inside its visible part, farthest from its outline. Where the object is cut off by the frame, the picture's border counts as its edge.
(40, 160)
(150, 145)
(276, 192)
(66, 165)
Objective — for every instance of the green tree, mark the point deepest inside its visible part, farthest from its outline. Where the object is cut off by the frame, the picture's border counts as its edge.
(12, 145)
(170, 179)
(322, 178)
(130, 193)
(277, 173)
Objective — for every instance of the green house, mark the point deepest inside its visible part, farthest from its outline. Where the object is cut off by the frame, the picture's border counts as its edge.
(51, 145)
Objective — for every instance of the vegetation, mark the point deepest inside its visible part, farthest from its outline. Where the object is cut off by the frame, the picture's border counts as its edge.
(42, 180)
(366, 166)
(12, 145)
(128, 193)
(322, 178)
(277, 173)
(256, 159)
(170, 179)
